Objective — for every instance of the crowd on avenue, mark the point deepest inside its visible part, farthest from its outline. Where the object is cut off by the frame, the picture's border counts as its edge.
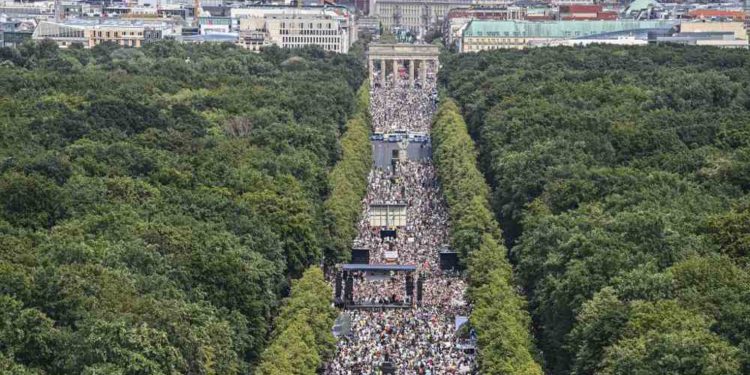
(389, 290)
(418, 337)
(403, 108)
(416, 341)
(413, 183)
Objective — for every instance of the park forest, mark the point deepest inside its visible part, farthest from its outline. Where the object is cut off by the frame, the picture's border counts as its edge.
(164, 210)
(155, 204)
(620, 177)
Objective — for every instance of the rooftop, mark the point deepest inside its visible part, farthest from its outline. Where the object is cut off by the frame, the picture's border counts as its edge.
(212, 37)
(561, 29)
(81, 22)
(707, 13)
(639, 5)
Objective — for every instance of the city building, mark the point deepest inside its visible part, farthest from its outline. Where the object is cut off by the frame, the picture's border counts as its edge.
(492, 3)
(619, 41)
(136, 22)
(90, 33)
(361, 7)
(585, 12)
(486, 35)
(540, 12)
(717, 14)
(571, 2)
(211, 37)
(13, 38)
(715, 39)
(165, 10)
(24, 10)
(644, 10)
(254, 40)
(701, 33)
(457, 19)
(369, 25)
(210, 25)
(13, 33)
(415, 15)
(735, 29)
(330, 27)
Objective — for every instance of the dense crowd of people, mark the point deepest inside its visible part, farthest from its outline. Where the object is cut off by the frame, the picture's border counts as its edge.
(413, 183)
(389, 290)
(416, 341)
(403, 108)
(444, 291)
(415, 337)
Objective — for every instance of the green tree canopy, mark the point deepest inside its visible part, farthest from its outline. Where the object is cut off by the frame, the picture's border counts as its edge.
(618, 175)
(155, 202)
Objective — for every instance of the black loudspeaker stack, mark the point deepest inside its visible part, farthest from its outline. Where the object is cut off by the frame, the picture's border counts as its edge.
(410, 285)
(387, 368)
(338, 286)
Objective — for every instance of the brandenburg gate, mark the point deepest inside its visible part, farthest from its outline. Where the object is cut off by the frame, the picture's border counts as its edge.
(426, 55)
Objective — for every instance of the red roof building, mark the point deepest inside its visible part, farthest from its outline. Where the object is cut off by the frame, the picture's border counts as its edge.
(734, 15)
(585, 12)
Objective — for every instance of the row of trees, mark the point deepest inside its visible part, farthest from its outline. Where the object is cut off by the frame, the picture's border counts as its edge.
(499, 313)
(620, 176)
(302, 337)
(348, 181)
(155, 201)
